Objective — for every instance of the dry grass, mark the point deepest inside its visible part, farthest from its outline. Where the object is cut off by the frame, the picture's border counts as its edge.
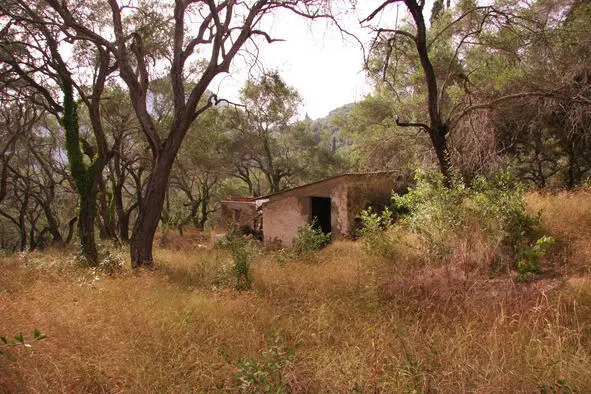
(567, 217)
(356, 322)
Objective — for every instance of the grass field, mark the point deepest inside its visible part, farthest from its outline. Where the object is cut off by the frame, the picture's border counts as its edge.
(337, 321)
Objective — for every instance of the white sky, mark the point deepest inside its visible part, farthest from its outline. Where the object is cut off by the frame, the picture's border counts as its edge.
(315, 58)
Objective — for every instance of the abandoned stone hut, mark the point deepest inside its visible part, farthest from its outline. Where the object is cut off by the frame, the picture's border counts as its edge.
(335, 203)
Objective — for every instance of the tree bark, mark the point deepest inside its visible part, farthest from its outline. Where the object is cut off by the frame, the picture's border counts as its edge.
(86, 214)
(438, 129)
(439, 141)
(52, 225)
(149, 211)
(22, 220)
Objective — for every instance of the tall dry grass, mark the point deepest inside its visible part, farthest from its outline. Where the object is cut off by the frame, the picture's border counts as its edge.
(567, 217)
(356, 323)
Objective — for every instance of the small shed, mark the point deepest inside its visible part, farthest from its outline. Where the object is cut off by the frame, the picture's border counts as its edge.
(334, 202)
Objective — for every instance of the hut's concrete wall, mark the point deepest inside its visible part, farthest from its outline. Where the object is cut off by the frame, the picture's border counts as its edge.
(339, 211)
(282, 218)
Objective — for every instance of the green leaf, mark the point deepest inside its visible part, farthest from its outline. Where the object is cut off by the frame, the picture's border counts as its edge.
(36, 333)
(19, 338)
(3, 340)
(41, 337)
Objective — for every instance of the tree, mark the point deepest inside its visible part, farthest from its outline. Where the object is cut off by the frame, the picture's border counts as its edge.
(439, 55)
(545, 140)
(31, 47)
(36, 193)
(150, 35)
(264, 127)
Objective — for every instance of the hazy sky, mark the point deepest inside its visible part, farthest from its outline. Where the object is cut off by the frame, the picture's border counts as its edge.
(315, 58)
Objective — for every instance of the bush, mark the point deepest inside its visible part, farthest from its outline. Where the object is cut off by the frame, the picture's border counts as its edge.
(308, 239)
(374, 232)
(269, 371)
(528, 264)
(439, 214)
(242, 250)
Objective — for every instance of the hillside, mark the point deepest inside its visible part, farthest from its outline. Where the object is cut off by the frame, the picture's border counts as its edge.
(329, 122)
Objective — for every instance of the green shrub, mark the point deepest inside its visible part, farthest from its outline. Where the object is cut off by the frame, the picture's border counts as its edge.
(530, 257)
(268, 372)
(242, 249)
(438, 213)
(308, 239)
(374, 232)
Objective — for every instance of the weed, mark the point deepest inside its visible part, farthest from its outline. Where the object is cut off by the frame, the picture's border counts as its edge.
(374, 228)
(309, 239)
(19, 340)
(270, 370)
(112, 260)
(222, 277)
(167, 331)
(560, 387)
(242, 250)
(528, 264)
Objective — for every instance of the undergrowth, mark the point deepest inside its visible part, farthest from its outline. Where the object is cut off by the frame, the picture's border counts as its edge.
(350, 323)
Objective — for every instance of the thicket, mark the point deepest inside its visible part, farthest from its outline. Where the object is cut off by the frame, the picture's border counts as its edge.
(488, 215)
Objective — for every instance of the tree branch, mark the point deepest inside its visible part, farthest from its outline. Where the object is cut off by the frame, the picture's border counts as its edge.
(412, 124)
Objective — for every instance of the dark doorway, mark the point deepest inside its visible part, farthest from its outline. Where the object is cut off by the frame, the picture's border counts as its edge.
(321, 211)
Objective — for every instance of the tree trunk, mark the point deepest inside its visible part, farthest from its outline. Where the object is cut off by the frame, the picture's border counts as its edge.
(108, 229)
(71, 224)
(86, 212)
(22, 232)
(150, 208)
(438, 128)
(572, 173)
(204, 213)
(52, 225)
(22, 220)
(439, 141)
(123, 225)
(84, 176)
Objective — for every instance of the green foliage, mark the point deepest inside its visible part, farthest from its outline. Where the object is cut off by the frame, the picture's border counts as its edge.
(19, 340)
(374, 228)
(530, 257)
(242, 250)
(222, 277)
(308, 239)
(438, 213)
(268, 372)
